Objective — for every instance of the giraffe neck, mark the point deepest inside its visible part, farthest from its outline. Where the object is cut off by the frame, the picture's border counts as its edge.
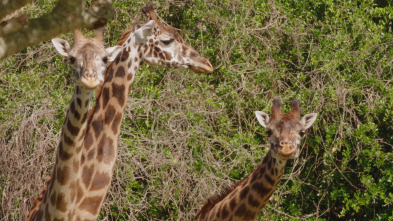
(59, 198)
(99, 150)
(250, 195)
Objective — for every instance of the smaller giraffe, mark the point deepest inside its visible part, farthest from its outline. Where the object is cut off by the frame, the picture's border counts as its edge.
(88, 58)
(245, 199)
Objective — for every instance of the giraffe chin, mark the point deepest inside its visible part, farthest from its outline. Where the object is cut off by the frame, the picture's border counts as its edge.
(286, 155)
(202, 70)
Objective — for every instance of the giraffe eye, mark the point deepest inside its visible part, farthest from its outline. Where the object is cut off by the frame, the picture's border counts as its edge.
(168, 41)
(302, 133)
(269, 133)
(72, 60)
(105, 60)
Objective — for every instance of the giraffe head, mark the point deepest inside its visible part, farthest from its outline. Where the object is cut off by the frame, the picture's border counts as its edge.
(285, 130)
(88, 57)
(164, 46)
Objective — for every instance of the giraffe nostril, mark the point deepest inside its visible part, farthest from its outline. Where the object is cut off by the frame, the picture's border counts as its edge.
(285, 142)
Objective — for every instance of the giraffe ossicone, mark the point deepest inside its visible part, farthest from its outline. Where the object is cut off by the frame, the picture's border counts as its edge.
(245, 199)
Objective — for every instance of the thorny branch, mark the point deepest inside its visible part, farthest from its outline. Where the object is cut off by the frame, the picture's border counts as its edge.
(66, 16)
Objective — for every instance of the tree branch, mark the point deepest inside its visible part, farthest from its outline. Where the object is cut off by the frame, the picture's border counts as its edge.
(13, 24)
(9, 6)
(66, 16)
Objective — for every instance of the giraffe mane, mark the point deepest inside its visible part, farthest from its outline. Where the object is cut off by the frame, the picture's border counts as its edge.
(38, 201)
(212, 201)
(127, 33)
(123, 38)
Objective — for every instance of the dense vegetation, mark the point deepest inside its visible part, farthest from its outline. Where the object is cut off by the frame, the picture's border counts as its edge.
(187, 136)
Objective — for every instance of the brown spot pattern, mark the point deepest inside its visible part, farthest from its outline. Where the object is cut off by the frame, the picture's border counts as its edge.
(79, 192)
(260, 189)
(244, 192)
(105, 151)
(129, 77)
(105, 97)
(61, 204)
(116, 122)
(120, 72)
(68, 140)
(118, 91)
(84, 118)
(91, 204)
(269, 165)
(72, 129)
(117, 59)
(77, 115)
(241, 211)
(88, 140)
(109, 77)
(70, 215)
(79, 101)
(252, 202)
(73, 187)
(98, 125)
(124, 55)
(63, 174)
(63, 155)
(224, 212)
(83, 158)
(168, 56)
(100, 181)
(269, 179)
(91, 154)
(109, 114)
(72, 107)
(87, 174)
(232, 204)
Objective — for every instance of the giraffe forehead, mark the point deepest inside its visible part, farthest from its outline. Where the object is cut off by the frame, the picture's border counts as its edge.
(167, 31)
(88, 51)
(284, 123)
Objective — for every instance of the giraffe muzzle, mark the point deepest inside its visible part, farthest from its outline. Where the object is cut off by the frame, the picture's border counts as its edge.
(287, 151)
(90, 82)
(202, 67)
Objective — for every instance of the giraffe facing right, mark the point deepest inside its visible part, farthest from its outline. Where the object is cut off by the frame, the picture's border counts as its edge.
(245, 200)
(153, 43)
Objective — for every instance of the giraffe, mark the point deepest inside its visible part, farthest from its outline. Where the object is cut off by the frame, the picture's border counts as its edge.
(245, 199)
(88, 59)
(152, 43)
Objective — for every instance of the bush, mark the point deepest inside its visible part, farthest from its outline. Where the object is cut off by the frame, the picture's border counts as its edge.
(187, 136)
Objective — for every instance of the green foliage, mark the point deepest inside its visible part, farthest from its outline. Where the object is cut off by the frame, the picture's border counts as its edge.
(187, 136)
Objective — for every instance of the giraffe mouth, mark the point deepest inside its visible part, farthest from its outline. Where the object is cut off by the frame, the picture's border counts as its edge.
(202, 67)
(286, 152)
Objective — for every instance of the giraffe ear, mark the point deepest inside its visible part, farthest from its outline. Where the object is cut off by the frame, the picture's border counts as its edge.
(144, 32)
(62, 46)
(262, 117)
(112, 52)
(308, 120)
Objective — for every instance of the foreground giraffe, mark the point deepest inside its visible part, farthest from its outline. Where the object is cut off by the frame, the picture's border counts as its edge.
(88, 58)
(152, 43)
(245, 200)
